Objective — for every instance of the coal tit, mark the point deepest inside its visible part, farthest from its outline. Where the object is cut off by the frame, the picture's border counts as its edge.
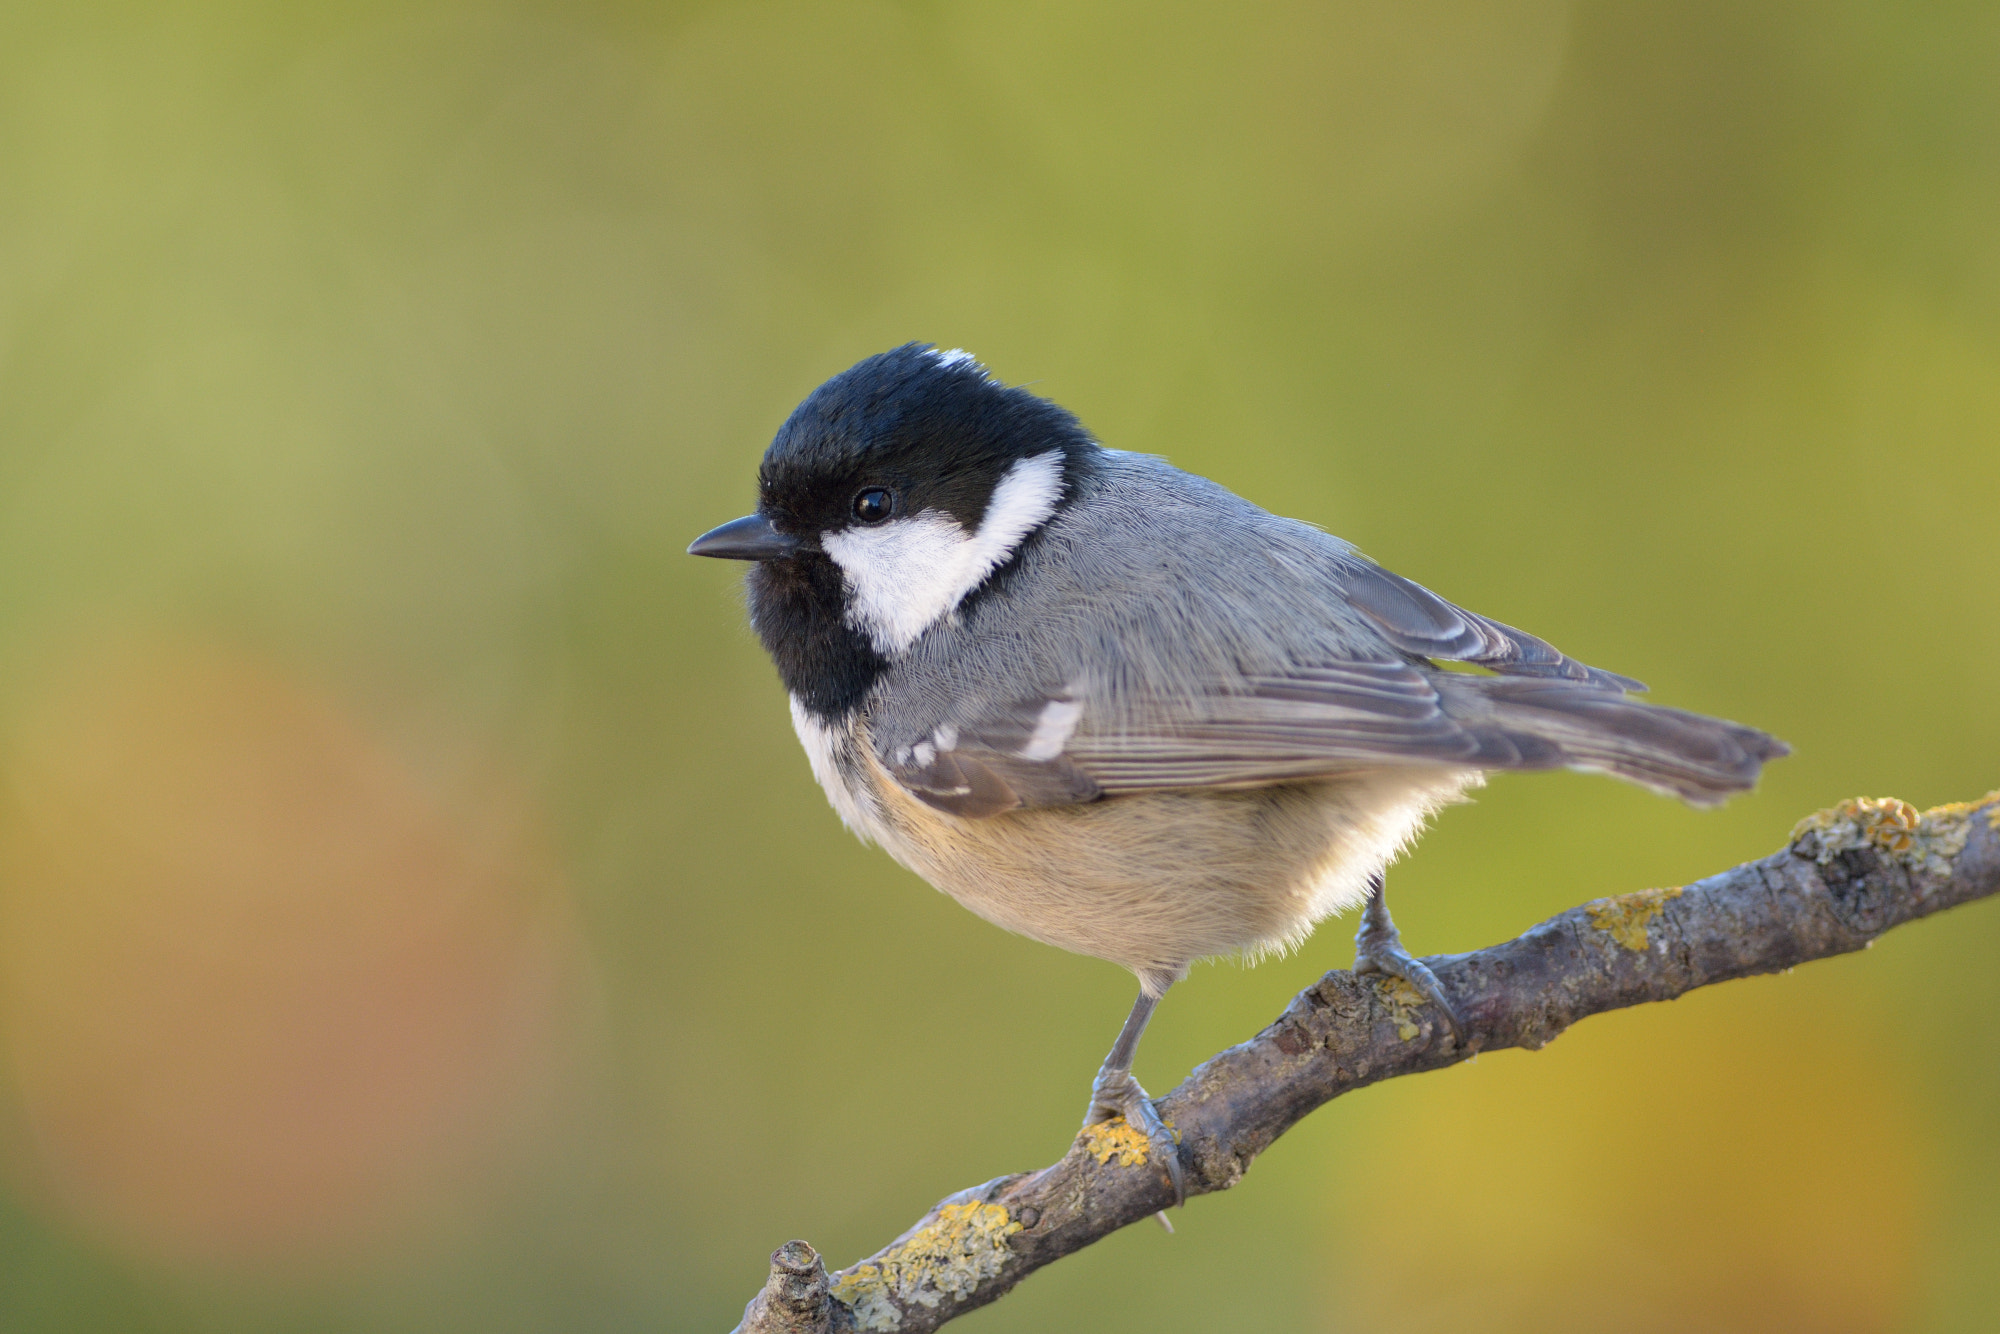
(1114, 707)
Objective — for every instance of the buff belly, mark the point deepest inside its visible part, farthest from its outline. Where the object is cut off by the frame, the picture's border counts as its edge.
(1151, 881)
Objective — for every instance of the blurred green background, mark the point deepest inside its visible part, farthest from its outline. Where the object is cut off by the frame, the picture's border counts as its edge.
(415, 912)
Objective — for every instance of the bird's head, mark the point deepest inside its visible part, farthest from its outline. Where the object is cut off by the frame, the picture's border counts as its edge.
(892, 493)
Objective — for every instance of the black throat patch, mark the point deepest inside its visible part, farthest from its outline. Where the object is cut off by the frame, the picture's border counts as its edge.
(798, 609)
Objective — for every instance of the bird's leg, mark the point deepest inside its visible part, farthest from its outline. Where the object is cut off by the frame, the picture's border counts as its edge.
(1116, 1093)
(1378, 948)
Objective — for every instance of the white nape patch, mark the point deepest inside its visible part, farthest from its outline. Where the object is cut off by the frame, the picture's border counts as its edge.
(1052, 730)
(958, 356)
(907, 574)
(831, 752)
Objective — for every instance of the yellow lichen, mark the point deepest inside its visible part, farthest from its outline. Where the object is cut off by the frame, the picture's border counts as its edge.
(1403, 1000)
(1884, 823)
(1116, 1137)
(1624, 916)
(946, 1257)
(1925, 842)
(865, 1289)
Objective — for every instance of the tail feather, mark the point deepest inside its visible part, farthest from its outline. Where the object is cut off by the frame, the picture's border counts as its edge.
(1529, 723)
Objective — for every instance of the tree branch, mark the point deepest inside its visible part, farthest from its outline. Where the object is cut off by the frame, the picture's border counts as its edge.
(1848, 875)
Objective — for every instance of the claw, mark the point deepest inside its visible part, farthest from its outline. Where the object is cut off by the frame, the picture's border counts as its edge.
(1378, 948)
(1117, 1093)
(1397, 962)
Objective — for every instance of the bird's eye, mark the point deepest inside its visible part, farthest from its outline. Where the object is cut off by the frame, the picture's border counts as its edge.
(874, 505)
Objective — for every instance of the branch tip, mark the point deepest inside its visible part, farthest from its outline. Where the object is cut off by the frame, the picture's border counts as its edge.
(796, 1298)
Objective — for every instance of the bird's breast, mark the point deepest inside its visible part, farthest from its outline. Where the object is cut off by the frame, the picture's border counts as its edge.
(1151, 880)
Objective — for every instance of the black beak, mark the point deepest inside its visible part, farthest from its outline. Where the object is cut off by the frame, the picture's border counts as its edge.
(749, 538)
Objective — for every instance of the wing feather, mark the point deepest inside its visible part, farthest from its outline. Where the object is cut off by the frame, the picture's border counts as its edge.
(1317, 721)
(1323, 721)
(1418, 621)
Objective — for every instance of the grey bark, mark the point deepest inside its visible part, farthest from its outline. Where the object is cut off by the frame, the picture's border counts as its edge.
(1849, 874)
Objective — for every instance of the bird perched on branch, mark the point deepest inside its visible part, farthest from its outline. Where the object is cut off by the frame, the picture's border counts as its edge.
(1114, 707)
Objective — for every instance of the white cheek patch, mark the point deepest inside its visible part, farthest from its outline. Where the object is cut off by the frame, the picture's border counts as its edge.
(905, 575)
(901, 576)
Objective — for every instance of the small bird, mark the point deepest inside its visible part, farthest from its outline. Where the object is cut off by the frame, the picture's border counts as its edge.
(1116, 708)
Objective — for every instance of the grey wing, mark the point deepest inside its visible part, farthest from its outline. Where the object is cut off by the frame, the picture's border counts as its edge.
(1355, 687)
(1319, 722)
(1418, 621)
(1001, 758)
(1305, 723)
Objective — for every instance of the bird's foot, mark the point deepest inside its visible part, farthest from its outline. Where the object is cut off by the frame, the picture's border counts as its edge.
(1379, 951)
(1116, 1093)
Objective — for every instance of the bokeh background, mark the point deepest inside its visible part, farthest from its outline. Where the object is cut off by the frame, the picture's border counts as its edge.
(415, 913)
